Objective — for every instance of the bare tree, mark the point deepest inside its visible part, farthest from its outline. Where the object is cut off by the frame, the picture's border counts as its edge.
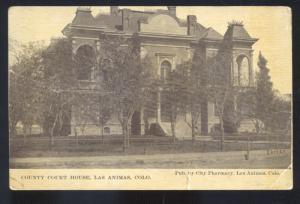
(95, 109)
(174, 93)
(195, 83)
(125, 78)
(59, 85)
(221, 90)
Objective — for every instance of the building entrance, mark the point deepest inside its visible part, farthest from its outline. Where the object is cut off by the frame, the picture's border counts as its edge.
(136, 123)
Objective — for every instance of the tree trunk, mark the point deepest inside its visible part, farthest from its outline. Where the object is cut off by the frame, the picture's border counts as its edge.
(30, 129)
(193, 133)
(124, 137)
(248, 147)
(52, 137)
(12, 128)
(268, 143)
(222, 133)
(76, 136)
(128, 123)
(82, 126)
(52, 129)
(173, 131)
(128, 135)
(102, 131)
(24, 134)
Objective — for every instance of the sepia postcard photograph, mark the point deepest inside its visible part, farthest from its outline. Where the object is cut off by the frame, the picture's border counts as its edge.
(150, 98)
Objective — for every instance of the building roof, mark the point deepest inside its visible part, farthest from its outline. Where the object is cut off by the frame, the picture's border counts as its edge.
(135, 17)
(210, 33)
(84, 17)
(109, 21)
(238, 32)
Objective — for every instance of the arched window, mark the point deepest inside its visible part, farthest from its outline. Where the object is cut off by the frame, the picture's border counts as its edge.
(165, 70)
(106, 130)
(243, 71)
(85, 59)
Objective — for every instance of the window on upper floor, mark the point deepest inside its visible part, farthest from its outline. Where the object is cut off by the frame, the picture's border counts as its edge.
(165, 70)
(243, 71)
(85, 60)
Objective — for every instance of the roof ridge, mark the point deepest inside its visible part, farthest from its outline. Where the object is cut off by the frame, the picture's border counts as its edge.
(211, 33)
(135, 11)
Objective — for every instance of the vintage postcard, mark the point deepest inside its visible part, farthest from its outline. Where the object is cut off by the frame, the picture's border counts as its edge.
(142, 98)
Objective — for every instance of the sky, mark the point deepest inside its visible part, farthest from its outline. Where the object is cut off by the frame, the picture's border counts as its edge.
(272, 25)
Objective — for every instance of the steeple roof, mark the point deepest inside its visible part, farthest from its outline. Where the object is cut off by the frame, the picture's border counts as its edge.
(239, 32)
(83, 17)
(236, 31)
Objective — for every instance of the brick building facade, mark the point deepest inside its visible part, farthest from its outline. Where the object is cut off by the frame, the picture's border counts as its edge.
(167, 41)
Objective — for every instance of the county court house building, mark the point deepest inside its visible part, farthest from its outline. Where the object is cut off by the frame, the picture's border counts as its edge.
(168, 41)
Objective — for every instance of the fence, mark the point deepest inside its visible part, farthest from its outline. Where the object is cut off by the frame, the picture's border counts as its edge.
(141, 144)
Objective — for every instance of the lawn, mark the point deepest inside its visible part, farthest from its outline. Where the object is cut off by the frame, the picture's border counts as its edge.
(94, 146)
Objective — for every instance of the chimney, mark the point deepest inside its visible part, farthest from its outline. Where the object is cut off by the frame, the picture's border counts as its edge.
(172, 10)
(191, 21)
(114, 10)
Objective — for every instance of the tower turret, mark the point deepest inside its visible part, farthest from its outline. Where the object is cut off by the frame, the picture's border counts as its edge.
(238, 41)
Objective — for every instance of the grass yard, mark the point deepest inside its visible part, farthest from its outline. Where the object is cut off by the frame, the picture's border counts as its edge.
(94, 146)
